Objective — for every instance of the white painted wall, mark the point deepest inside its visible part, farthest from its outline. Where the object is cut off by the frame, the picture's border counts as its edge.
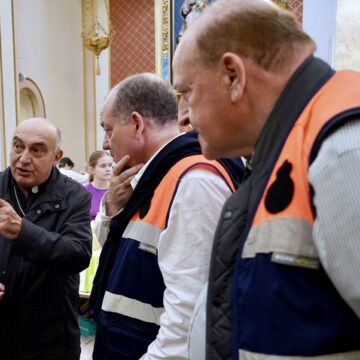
(49, 51)
(347, 51)
(102, 80)
(319, 21)
(9, 79)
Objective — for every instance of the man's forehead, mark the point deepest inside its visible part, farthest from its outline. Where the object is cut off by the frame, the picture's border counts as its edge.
(106, 107)
(104, 116)
(31, 141)
(184, 49)
(185, 74)
(35, 135)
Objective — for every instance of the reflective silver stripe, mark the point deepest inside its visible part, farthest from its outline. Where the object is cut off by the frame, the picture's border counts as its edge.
(285, 235)
(130, 307)
(143, 232)
(247, 355)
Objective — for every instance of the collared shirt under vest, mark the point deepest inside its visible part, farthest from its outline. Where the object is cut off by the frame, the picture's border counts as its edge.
(283, 305)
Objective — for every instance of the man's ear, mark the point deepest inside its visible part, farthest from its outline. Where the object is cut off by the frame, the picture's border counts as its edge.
(234, 75)
(138, 124)
(58, 155)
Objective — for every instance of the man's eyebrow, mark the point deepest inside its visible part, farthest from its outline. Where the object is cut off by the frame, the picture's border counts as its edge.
(40, 143)
(16, 138)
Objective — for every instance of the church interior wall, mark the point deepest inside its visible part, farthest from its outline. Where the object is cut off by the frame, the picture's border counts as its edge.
(42, 40)
(133, 47)
(49, 51)
(347, 49)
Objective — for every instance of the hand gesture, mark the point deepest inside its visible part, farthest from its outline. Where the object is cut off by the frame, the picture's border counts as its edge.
(2, 291)
(10, 221)
(120, 189)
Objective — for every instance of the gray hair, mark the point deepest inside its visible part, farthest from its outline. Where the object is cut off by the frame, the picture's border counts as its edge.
(147, 94)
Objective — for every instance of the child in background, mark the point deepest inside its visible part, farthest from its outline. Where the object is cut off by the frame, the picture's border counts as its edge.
(100, 170)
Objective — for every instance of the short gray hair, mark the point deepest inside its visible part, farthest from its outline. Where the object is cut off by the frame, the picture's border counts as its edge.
(149, 95)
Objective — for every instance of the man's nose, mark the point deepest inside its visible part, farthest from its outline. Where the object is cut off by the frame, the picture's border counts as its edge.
(25, 156)
(106, 143)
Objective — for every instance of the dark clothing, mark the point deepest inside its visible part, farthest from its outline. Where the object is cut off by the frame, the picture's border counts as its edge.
(229, 272)
(38, 315)
(174, 151)
(118, 334)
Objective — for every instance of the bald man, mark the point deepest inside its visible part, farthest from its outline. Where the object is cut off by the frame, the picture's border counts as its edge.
(45, 241)
(284, 280)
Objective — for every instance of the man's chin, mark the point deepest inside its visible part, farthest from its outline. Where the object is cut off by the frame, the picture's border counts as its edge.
(24, 182)
(207, 150)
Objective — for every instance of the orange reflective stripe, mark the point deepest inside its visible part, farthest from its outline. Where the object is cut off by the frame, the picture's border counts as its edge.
(164, 193)
(339, 94)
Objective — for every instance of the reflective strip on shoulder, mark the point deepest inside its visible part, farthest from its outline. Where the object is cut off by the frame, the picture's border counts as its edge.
(284, 235)
(143, 232)
(132, 308)
(248, 355)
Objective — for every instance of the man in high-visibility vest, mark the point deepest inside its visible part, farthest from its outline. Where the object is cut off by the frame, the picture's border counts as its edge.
(162, 208)
(285, 271)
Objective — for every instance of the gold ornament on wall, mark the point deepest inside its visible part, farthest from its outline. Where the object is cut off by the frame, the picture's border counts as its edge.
(94, 35)
(282, 3)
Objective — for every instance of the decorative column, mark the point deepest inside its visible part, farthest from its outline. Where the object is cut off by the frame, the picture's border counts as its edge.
(8, 81)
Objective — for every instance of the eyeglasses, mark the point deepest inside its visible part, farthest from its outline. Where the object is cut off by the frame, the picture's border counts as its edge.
(178, 95)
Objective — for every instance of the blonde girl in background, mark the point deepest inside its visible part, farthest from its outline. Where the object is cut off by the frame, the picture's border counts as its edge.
(100, 171)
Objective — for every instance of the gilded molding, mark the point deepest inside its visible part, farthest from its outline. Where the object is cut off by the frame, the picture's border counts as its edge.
(165, 39)
(282, 3)
(165, 27)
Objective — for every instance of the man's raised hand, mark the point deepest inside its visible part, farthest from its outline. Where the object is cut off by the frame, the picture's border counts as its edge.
(10, 221)
(120, 189)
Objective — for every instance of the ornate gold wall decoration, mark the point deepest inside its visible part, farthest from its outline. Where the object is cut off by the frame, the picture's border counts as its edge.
(165, 38)
(294, 6)
(95, 37)
(282, 3)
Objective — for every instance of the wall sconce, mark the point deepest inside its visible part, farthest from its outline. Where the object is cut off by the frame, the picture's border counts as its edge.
(95, 37)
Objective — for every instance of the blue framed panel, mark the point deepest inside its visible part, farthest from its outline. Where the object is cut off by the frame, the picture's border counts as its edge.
(171, 24)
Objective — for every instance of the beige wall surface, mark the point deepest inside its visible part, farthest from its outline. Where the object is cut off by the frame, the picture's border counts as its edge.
(49, 51)
(347, 49)
(8, 80)
(2, 125)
